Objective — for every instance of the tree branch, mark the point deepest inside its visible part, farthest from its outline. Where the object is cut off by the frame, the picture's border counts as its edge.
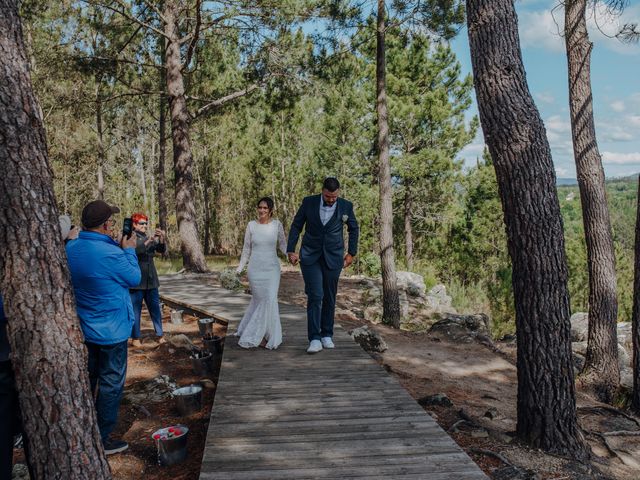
(125, 14)
(214, 104)
(196, 36)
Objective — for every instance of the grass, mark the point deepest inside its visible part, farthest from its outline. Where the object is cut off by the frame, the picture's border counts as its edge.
(174, 264)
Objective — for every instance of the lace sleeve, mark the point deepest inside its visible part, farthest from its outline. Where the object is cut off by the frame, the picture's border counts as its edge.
(246, 249)
(282, 241)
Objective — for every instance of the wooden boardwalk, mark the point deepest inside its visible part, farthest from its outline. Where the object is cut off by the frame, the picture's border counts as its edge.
(285, 414)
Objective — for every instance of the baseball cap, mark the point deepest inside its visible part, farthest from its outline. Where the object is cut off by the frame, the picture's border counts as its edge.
(96, 213)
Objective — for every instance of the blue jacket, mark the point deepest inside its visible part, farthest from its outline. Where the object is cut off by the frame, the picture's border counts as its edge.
(102, 274)
(323, 240)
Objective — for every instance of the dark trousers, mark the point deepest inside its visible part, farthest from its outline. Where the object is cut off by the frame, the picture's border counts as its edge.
(152, 301)
(107, 370)
(321, 286)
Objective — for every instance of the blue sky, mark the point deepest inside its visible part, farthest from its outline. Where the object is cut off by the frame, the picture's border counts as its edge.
(615, 73)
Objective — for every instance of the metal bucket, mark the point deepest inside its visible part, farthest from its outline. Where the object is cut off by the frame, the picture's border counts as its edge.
(202, 363)
(205, 325)
(171, 443)
(176, 316)
(188, 399)
(213, 344)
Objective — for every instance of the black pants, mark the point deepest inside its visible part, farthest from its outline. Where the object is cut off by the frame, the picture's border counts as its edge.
(10, 420)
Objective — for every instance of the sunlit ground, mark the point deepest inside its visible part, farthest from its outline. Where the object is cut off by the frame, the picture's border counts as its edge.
(174, 264)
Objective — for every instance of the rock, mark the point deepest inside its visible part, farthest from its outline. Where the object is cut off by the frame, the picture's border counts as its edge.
(508, 338)
(20, 472)
(438, 298)
(373, 314)
(230, 280)
(580, 348)
(404, 304)
(439, 399)
(462, 328)
(181, 341)
(369, 340)
(624, 359)
(499, 436)
(412, 283)
(579, 327)
(624, 336)
(155, 390)
(626, 377)
(372, 295)
(491, 413)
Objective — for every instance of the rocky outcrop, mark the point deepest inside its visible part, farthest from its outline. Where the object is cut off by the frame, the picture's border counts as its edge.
(462, 328)
(369, 339)
(412, 283)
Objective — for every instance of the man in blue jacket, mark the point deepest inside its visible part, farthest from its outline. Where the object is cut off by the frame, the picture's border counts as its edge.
(322, 256)
(102, 272)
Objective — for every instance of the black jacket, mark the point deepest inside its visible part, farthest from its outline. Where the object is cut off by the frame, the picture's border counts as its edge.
(145, 255)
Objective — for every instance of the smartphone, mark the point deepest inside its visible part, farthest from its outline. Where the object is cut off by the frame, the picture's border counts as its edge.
(127, 227)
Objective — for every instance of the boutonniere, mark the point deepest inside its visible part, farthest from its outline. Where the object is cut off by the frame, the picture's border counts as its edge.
(345, 218)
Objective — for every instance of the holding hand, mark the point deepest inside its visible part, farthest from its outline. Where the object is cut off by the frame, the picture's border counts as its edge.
(348, 260)
(128, 242)
(293, 258)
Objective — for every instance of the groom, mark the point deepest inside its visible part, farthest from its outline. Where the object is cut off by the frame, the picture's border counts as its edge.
(322, 256)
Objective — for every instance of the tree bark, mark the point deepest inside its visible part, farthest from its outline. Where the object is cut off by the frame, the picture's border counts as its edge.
(101, 150)
(48, 356)
(408, 229)
(601, 372)
(635, 316)
(390, 297)
(162, 155)
(516, 137)
(192, 254)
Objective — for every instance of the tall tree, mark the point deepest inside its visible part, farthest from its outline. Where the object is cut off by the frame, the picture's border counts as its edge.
(390, 296)
(601, 372)
(48, 357)
(515, 135)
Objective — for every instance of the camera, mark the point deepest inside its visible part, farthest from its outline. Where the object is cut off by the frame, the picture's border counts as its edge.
(127, 227)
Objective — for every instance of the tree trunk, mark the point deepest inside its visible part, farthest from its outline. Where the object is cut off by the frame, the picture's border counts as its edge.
(162, 155)
(101, 150)
(48, 357)
(408, 230)
(515, 135)
(635, 316)
(390, 297)
(192, 255)
(601, 372)
(206, 201)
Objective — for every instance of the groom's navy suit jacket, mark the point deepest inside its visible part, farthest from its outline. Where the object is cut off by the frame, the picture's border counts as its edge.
(323, 240)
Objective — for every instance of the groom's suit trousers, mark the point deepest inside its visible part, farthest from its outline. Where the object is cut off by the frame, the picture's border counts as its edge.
(321, 286)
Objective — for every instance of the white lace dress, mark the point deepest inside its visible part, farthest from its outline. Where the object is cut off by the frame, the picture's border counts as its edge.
(262, 318)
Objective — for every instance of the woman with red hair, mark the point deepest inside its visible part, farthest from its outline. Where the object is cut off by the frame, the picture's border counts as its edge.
(146, 249)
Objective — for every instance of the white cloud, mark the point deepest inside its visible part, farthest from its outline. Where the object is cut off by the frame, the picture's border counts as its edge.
(544, 28)
(540, 30)
(546, 97)
(617, 106)
(634, 120)
(611, 132)
(561, 172)
(613, 158)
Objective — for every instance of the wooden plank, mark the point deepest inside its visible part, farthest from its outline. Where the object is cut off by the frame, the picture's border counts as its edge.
(285, 414)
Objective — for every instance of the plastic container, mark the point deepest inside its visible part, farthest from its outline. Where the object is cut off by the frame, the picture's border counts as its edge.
(176, 316)
(188, 399)
(205, 325)
(171, 443)
(212, 344)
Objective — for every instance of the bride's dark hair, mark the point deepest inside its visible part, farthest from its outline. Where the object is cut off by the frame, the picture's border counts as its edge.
(269, 203)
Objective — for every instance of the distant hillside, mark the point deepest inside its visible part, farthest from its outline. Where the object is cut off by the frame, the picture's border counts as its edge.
(566, 181)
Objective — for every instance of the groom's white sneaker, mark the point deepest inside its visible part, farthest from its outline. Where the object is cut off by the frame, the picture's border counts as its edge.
(327, 342)
(314, 346)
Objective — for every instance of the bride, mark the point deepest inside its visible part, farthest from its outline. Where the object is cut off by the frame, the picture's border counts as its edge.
(260, 325)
